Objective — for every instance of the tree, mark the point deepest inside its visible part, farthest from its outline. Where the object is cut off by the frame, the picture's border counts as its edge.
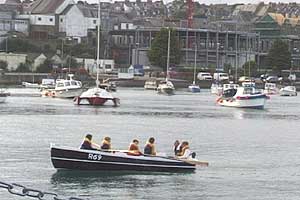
(250, 68)
(3, 65)
(46, 67)
(23, 67)
(279, 56)
(159, 49)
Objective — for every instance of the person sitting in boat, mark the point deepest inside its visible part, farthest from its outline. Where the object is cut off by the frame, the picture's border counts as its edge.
(149, 148)
(106, 143)
(88, 144)
(177, 148)
(134, 148)
(186, 152)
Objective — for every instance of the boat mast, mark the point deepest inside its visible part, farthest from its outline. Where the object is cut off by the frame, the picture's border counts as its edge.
(98, 43)
(168, 56)
(195, 64)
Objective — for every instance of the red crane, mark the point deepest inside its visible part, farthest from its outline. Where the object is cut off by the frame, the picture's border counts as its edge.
(190, 12)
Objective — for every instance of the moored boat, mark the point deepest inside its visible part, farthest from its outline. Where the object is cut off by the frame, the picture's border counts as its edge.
(64, 88)
(194, 88)
(216, 88)
(96, 97)
(30, 85)
(288, 91)
(166, 87)
(150, 84)
(245, 96)
(91, 160)
(271, 89)
(3, 95)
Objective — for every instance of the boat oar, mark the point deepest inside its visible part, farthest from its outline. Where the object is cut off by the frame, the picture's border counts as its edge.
(195, 162)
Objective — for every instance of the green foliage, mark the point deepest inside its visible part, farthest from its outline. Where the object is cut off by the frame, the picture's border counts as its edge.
(250, 68)
(23, 67)
(3, 65)
(71, 62)
(20, 45)
(159, 49)
(46, 67)
(227, 68)
(78, 50)
(279, 56)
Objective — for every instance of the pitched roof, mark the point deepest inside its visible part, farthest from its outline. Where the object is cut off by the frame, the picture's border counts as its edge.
(45, 6)
(279, 18)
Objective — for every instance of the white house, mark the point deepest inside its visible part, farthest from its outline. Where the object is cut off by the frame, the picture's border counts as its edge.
(38, 61)
(42, 16)
(106, 65)
(13, 60)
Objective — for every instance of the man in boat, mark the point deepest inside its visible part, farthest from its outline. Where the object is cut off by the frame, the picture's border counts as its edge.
(134, 148)
(88, 144)
(186, 152)
(106, 143)
(149, 148)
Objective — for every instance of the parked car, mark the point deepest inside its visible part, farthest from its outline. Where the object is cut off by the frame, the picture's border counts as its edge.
(273, 79)
(204, 76)
(221, 76)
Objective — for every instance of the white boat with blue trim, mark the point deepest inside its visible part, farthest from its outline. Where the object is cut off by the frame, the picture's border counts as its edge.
(245, 96)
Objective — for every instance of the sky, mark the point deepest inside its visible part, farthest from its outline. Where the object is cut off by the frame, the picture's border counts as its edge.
(218, 1)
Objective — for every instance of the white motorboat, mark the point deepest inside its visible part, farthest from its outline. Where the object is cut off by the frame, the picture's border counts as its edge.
(271, 88)
(216, 88)
(3, 95)
(228, 88)
(150, 84)
(194, 88)
(97, 96)
(288, 91)
(245, 96)
(65, 88)
(47, 83)
(167, 87)
(30, 85)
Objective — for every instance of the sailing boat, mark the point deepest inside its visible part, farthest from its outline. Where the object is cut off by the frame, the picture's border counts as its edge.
(193, 87)
(166, 86)
(97, 96)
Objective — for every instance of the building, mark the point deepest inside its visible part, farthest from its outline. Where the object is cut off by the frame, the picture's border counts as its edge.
(13, 60)
(216, 48)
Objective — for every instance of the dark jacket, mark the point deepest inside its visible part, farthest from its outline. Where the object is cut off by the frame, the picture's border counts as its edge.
(87, 145)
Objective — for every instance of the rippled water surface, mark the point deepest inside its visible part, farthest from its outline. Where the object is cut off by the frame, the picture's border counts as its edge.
(253, 154)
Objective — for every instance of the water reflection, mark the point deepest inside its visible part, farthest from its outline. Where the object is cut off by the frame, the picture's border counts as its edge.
(115, 179)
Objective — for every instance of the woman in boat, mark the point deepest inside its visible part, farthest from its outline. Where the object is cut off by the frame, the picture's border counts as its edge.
(88, 144)
(177, 147)
(134, 148)
(149, 148)
(186, 152)
(106, 143)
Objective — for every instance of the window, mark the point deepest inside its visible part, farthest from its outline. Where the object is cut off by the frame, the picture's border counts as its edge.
(127, 26)
(67, 83)
(61, 20)
(73, 83)
(94, 21)
(51, 20)
(39, 19)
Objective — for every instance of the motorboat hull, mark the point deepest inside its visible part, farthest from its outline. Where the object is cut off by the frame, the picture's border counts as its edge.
(194, 88)
(3, 96)
(96, 97)
(255, 101)
(288, 91)
(77, 159)
(70, 93)
(166, 90)
(96, 101)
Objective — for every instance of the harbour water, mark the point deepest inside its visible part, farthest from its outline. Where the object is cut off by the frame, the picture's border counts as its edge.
(253, 154)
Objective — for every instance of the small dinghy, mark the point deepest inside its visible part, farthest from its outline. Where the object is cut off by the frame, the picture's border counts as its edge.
(116, 160)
